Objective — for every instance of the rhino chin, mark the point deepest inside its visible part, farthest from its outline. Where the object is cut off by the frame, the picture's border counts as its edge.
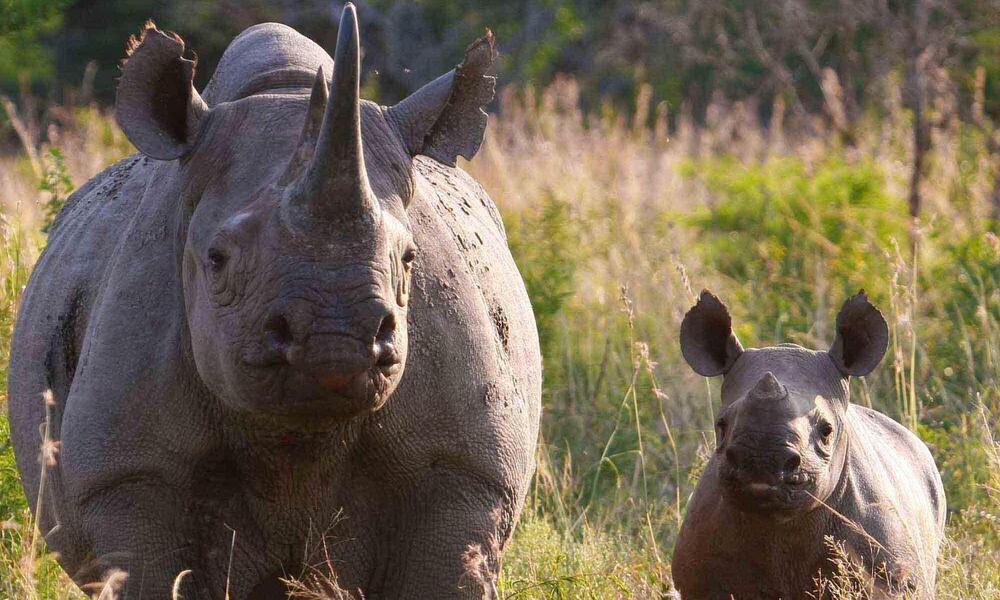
(769, 501)
(295, 396)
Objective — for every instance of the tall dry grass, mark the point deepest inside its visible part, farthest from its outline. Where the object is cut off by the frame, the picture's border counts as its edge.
(616, 223)
(619, 207)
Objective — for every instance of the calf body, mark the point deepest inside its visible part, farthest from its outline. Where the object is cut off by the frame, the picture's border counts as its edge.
(798, 470)
(253, 371)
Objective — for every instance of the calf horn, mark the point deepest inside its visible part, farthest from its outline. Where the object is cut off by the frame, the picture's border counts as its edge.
(767, 389)
(335, 185)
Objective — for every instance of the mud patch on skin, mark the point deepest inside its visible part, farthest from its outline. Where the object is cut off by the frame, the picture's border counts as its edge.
(270, 588)
(501, 324)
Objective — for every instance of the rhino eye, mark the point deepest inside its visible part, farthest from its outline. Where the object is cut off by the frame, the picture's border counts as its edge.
(409, 256)
(825, 430)
(216, 259)
(720, 425)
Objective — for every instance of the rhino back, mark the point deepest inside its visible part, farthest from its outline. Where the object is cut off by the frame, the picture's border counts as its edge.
(267, 56)
(58, 300)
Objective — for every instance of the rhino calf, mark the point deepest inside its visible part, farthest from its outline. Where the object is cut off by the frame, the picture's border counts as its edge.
(796, 465)
(287, 332)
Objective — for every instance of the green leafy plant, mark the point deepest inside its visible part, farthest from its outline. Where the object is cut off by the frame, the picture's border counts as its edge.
(56, 184)
(799, 238)
(543, 244)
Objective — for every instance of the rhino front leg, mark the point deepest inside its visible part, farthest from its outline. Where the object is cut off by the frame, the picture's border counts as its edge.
(453, 529)
(137, 529)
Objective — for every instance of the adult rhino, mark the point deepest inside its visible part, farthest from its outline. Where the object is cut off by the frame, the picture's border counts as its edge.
(289, 329)
(797, 466)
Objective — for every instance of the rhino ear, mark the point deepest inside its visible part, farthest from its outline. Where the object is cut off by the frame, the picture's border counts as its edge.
(445, 118)
(707, 340)
(862, 337)
(157, 106)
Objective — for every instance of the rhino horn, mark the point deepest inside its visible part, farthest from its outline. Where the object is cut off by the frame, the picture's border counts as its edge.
(335, 187)
(310, 129)
(768, 388)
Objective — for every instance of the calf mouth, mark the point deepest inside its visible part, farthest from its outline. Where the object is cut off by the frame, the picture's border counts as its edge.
(761, 498)
(767, 494)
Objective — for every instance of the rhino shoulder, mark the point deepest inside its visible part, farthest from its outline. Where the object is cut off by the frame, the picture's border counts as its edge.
(456, 191)
(474, 368)
(97, 193)
(894, 502)
(900, 455)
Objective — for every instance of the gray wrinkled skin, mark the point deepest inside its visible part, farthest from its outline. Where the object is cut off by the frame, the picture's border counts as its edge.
(244, 346)
(795, 462)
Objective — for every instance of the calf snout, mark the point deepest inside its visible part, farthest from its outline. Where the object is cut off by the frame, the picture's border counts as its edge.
(773, 465)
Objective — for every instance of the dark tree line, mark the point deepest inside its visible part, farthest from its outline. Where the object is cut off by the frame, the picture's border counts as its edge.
(817, 56)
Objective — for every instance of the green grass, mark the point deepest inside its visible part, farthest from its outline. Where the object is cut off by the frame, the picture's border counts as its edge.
(615, 228)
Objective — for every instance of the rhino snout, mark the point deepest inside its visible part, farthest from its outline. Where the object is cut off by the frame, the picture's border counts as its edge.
(779, 465)
(335, 361)
(334, 352)
(764, 479)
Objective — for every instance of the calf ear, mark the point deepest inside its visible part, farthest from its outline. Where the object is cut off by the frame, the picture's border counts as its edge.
(862, 337)
(707, 340)
(445, 118)
(157, 106)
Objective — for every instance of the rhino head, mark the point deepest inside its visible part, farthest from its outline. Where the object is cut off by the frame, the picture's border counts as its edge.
(297, 250)
(781, 439)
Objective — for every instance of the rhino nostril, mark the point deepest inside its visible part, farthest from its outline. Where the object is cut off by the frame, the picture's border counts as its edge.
(793, 463)
(383, 349)
(386, 328)
(733, 456)
(277, 333)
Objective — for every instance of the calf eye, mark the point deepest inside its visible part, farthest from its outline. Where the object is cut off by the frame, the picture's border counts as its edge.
(825, 430)
(216, 259)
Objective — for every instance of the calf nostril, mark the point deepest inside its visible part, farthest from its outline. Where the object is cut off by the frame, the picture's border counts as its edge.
(277, 333)
(793, 463)
(733, 456)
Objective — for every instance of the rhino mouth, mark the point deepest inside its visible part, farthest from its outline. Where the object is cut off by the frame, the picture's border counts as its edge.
(767, 494)
(340, 389)
(340, 397)
(763, 497)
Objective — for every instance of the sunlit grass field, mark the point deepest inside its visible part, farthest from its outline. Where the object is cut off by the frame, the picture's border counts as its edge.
(616, 223)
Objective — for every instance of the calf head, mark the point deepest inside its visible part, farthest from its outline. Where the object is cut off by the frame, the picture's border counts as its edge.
(296, 250)
(781, 438)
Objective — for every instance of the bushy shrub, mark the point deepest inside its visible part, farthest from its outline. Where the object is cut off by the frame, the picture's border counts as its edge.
(797, 239)
(56, 184)
(543, 244)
